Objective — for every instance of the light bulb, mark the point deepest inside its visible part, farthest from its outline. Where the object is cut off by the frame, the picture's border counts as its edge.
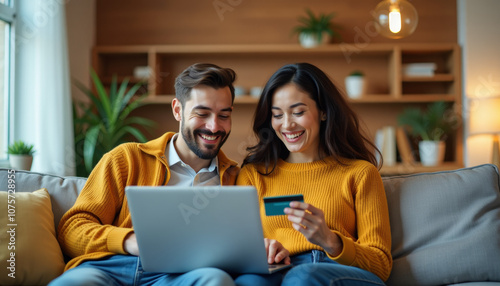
(395, 19)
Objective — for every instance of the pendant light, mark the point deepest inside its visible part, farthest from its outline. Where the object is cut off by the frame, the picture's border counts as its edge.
(395, 19)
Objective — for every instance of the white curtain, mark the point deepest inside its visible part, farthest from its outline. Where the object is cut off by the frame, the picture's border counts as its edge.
(42, 99)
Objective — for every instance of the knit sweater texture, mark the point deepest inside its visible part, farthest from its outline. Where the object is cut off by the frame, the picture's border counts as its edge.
(99, 221)
(353, 200)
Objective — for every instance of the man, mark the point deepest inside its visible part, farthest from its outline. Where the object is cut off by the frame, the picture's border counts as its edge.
(97, 231)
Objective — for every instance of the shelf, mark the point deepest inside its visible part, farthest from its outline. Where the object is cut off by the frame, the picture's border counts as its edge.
(119, 79)
(388, 92)
(246, 99)
(159, 99)
(245, 49)
(372, 98)
(400, 168)
(403, 99)
(167, 99)
(434, 78)
(254, 63)
(427, 98)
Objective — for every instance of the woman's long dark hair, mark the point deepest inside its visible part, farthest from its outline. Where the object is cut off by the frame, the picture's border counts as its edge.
(340, 134)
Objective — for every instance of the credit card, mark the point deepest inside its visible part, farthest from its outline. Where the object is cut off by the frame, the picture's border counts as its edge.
(277, 205)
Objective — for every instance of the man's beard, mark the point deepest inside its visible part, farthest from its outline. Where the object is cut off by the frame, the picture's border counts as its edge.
(190, 139)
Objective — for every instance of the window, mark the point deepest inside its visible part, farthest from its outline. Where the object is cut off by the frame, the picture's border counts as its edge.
(6, 72)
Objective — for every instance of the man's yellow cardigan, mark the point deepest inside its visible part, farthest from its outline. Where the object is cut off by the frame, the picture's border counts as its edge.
(99, 221)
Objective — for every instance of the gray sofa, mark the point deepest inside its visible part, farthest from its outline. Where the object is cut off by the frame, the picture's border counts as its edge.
(445, 225)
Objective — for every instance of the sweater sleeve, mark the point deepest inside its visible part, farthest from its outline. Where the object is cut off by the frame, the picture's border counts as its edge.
(372, 249)
(87, 226)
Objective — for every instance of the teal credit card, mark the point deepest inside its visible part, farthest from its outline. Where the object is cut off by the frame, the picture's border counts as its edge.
(277, 205)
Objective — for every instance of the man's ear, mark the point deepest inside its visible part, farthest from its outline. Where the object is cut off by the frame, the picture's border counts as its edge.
(177, 109)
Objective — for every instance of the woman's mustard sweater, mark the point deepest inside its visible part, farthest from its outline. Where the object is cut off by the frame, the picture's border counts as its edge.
(352, 198)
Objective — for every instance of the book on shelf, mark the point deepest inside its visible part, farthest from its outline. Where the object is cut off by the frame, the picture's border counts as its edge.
(394, 144)
(419, 69)
(404, 146)
(385, 140)
(379, 142)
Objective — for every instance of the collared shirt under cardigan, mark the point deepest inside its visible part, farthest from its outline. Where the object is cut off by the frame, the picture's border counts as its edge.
(181, 174)
(99, 221)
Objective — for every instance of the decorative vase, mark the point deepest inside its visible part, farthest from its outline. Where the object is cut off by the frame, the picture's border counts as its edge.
(20, 162)
(355, 86)
(431, 152)
(311, 41)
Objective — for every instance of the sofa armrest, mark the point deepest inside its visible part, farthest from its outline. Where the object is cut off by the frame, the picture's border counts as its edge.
(63, 190)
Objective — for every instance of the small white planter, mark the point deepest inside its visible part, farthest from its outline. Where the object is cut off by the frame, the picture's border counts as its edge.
(355, 86)
(311, 41)
(20, 162)
(431, 152)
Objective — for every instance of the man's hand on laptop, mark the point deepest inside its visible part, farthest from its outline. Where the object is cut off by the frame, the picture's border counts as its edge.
(130, 244)
(276, 253)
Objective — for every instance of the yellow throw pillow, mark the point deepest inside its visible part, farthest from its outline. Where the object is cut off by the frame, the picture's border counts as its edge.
(29, 251)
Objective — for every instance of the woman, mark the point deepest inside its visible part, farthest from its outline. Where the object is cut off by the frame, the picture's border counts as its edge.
(309, 142)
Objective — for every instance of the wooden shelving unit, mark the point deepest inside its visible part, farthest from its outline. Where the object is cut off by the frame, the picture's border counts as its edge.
(417, 168)
(389, 91)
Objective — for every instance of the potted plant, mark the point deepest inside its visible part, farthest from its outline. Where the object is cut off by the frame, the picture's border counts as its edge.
(106, 121)
(316, 30)
(20, 155)
(431, 126)
(355, 84)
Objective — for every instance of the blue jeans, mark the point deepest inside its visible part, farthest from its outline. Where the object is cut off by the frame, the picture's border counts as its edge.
(127, 270)
(259, 279)
(315, 268)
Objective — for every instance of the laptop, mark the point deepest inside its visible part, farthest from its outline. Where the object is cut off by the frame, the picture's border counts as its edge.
(180, 229)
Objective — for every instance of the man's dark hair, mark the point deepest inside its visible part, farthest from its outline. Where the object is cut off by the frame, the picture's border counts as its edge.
(203, 74)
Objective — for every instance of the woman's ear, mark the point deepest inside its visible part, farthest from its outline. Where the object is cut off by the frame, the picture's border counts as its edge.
(323, 116)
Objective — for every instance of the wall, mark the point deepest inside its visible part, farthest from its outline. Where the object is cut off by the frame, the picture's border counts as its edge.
(478, 34)
(80, 20)
(253, 22)
(126, 22)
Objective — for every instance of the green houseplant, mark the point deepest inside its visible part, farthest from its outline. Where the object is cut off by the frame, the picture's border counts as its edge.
(20, 148)
(431, 126)
(315, 30)
(20, 155)
(356, 73)
(106, 121)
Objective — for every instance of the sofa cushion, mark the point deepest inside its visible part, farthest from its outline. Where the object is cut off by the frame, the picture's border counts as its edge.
(445, 226)
(29, 251)
(63, 190)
